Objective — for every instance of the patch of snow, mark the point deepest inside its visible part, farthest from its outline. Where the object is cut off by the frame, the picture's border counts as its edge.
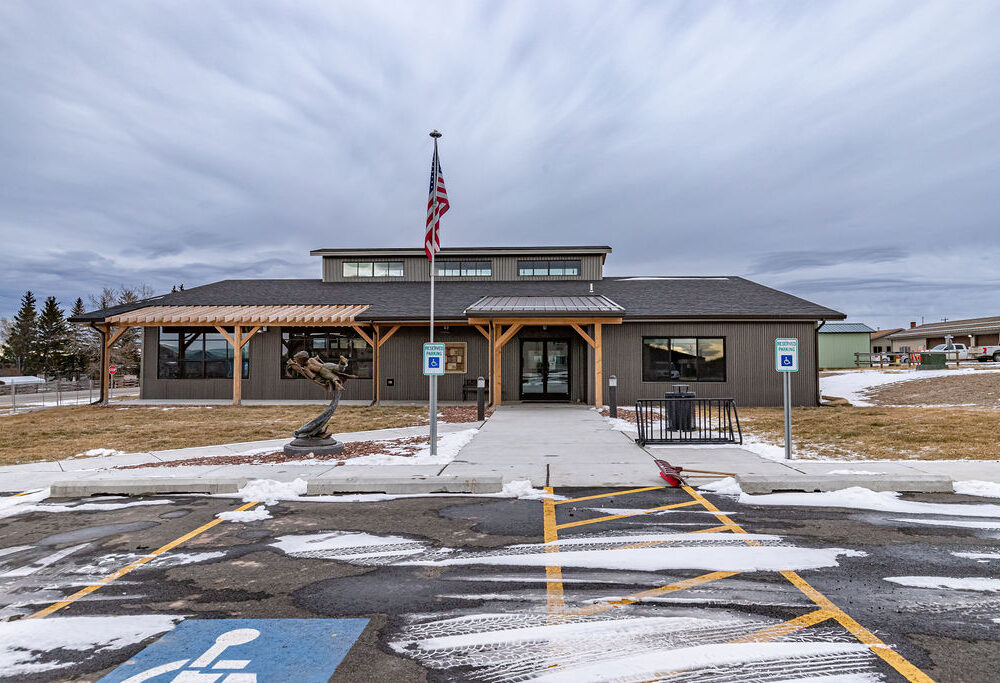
(98, 452)
(854, 472)
(257, 514)
(977, 556)
(764, 449)
(23, 642)
(854, 384)
(974, 487)
(348, 546)
(651, 663)
(15, 505)
(522, 488)
(956, 583)
(726, 487)
(622, 425)
(718, 558)
(702, 538)
(448, 447)
(859, 498)
(93, 507)
(269, 491)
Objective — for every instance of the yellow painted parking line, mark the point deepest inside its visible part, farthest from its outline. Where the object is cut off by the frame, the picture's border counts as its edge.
(608, 518)
(828, 610)
(606, 605)
(56, 606)
(553, 575)
(24, 493)
(786, 627)
(609, 495)
(714, 529)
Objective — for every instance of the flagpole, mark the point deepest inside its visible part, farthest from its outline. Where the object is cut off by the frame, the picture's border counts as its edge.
(433, 378)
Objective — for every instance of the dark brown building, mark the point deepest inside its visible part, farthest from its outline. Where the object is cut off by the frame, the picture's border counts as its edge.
(540, 323)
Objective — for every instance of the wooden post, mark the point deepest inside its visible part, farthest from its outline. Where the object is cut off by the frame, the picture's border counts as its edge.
(497, 371)
(105, 362)
(237, 365)
(598, 367)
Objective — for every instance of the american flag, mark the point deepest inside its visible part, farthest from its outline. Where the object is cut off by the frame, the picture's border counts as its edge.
(437, 206)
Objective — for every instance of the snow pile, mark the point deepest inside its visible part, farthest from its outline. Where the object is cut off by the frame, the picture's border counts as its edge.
(269, 491)
(522, 488)
(98, 452)
(854, 385)
(23, 642)
(257, 514)
(973, 487)
(726, 487)
(622, 425)
(956, 583)
(859, 498)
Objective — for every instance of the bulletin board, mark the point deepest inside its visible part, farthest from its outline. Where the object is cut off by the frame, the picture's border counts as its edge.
(456, 357)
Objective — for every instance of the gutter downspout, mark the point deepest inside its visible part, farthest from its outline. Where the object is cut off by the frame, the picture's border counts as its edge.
(819, 396)
(102, 399)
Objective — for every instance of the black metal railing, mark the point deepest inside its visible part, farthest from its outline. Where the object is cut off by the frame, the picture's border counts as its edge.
(683, 420)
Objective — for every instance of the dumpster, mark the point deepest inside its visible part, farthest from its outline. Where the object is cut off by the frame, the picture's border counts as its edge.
(680, 408)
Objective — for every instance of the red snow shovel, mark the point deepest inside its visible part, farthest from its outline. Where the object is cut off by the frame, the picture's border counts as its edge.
(672, 474)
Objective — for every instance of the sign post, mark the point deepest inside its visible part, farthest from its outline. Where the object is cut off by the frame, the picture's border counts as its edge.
(786, 361)
(112, 369)
(433, 368)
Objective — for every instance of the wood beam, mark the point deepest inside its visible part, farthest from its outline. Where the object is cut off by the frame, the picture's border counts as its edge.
(511, 331)
(482, 331)
(586, 337)
(361, 333)
(118, 334)
(249, 335)
(229, 337)
(237, 364)
(598, 367)
(392, 331)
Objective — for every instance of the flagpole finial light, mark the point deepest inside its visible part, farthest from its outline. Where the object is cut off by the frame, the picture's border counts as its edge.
(435, 133)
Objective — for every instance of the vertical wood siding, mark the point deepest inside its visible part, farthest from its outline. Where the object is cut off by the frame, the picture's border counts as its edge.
(750, 375)
(402, 361)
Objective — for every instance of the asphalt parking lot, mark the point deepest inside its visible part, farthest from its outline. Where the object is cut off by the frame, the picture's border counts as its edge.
(659, 584)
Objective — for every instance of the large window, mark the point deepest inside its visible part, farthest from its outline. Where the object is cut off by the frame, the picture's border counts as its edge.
(549, 267)
(464, 268)
(197, 354)
(329, 345)
(692, 359)
(373, 269)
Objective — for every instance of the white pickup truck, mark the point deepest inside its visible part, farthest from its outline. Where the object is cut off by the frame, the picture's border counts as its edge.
(985, 353)
(963, 352)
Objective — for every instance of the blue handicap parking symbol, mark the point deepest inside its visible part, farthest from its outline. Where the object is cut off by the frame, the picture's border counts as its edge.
(786, 360)
(433, 362)
(244, 651)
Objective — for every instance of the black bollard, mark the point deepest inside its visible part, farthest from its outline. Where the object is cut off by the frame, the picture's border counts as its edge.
(480, 399)
(613, 396)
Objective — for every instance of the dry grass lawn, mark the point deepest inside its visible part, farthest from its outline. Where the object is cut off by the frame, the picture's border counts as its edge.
(64, 432)
(981, 389)
(851, 433)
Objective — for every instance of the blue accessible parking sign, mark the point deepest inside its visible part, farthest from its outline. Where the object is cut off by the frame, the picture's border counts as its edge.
(244, 651)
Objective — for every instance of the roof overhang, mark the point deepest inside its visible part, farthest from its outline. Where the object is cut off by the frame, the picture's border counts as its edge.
(522, 307)
(169, 316)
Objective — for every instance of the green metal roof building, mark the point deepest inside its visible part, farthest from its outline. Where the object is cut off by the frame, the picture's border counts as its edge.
(838, 342)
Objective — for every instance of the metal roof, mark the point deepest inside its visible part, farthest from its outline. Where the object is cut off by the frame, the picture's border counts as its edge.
(593, 304)
(953, 327)
(845, 328)
(469, 251)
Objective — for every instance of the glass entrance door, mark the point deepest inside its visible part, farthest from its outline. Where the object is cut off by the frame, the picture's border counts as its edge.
(545, 369)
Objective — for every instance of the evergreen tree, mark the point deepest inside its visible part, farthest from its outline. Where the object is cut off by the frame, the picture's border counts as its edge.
(53, 339)
(21, 348)
(81, 343)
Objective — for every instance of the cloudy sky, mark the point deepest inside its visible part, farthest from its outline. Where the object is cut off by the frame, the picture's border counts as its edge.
(848, 152)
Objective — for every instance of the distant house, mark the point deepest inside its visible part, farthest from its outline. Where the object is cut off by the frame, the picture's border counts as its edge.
(838, 342)
(970, 331)
(880, 341)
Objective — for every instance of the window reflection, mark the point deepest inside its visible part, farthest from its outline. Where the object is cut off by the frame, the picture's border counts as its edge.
(693, 359)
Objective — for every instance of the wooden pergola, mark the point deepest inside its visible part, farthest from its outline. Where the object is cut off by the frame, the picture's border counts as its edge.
(499, 331)
(246, 321)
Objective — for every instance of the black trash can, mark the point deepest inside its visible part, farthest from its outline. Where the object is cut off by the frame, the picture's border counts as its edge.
(680, 408)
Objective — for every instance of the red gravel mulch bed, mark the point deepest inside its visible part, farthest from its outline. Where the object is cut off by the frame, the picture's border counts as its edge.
(405, 448)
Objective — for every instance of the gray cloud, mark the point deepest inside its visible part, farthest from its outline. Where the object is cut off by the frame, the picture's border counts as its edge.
(816, 147)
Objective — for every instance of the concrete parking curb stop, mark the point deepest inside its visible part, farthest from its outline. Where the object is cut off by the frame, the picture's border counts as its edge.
(904, 483)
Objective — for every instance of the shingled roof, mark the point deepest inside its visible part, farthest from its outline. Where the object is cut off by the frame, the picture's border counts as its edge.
(641, 297)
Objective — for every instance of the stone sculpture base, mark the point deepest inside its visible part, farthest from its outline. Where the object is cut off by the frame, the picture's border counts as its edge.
(302, 447)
